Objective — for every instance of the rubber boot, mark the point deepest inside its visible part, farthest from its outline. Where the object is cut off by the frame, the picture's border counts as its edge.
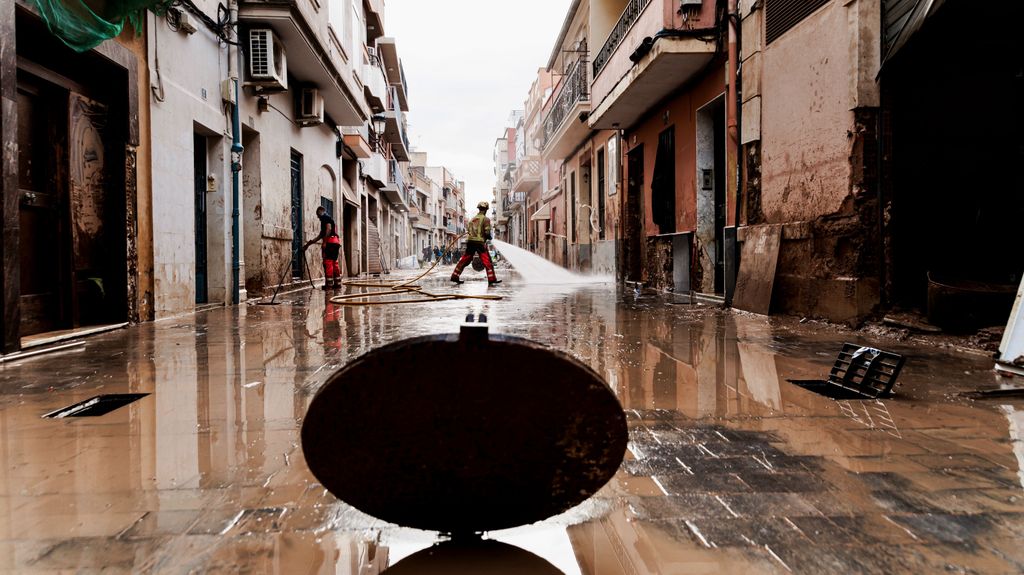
(492, 282)
(456, 280)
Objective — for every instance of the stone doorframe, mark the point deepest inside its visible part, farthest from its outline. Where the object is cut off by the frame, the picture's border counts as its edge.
(10, 278)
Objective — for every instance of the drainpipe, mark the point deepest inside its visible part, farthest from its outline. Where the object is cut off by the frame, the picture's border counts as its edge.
(733, 125)
(234, 64)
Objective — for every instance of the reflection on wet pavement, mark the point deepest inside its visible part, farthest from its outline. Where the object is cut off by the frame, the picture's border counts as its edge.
(729, 467)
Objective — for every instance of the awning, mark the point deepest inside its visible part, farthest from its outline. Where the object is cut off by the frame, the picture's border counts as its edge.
(901, 25)
(544, 213)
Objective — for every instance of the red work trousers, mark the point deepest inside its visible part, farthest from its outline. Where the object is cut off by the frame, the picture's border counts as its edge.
(330, 253)
(467, 258)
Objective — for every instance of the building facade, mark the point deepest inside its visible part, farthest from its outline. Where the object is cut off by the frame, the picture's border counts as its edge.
(75, 180)
(197, 149)
(679, 136)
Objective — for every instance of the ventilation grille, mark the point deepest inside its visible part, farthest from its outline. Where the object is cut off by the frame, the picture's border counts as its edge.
(259, 53)
(781, 15)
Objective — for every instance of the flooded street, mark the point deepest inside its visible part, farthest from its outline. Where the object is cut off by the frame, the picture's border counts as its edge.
(729, 467)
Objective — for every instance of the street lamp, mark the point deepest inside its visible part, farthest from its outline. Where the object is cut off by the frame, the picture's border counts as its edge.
(379, 123)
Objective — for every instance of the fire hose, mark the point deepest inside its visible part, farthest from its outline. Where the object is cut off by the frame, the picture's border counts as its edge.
(399, 287)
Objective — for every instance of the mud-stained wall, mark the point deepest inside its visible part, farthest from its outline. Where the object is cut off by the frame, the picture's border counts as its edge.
(278, 136)
(813, 77)
(810, 157)
(185, 100)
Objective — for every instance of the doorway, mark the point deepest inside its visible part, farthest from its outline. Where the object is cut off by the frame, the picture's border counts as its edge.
(42, 188)
(709, 273)
(199, 163)
(296, 186)
(956, 184)
(634, 216)
(71, 218)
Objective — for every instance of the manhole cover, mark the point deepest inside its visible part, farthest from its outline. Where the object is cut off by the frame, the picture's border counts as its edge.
(464, 434)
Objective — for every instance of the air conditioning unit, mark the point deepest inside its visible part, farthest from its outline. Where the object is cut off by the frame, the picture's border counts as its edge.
(268, 67)
(684, 4)
(311, 107)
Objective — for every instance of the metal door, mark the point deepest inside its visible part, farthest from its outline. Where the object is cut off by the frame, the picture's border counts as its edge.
(297, 242)
(199, 157)
(373, 250)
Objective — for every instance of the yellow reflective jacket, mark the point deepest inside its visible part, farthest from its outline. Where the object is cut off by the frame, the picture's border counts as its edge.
(479, 229)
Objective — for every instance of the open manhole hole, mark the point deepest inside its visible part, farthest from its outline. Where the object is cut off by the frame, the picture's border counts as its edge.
(96, 406)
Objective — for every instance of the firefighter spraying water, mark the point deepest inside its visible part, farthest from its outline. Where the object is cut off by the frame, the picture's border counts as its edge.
(479, 231)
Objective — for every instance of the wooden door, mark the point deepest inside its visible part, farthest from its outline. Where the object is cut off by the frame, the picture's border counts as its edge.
(42, 209)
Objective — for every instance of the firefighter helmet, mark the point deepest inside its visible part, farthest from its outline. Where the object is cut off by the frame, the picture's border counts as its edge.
(483, 206)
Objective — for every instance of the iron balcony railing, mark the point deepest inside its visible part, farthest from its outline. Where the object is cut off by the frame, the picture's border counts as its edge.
(575, 89)
(396, 179)
(628, 17)
(394, 106)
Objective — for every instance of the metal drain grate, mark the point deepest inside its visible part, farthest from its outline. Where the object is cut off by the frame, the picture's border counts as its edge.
(96, 406)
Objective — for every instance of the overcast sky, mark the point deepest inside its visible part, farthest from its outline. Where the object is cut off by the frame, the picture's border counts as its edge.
(469, 63)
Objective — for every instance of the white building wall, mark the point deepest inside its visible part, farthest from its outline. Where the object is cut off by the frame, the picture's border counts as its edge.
(185, 100)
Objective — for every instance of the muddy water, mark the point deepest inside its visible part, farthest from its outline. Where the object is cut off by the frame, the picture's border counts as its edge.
(730, 468)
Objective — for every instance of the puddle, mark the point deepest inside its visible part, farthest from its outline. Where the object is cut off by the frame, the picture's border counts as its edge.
(730, 468)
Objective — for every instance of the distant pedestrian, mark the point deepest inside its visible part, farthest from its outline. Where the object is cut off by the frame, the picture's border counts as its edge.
(330, 250)
(479, 232)
(426, 254)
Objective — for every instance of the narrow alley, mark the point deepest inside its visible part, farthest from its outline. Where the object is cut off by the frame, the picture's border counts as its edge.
(729, 466)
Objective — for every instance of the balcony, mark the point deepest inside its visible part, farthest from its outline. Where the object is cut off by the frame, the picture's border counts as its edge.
(375, 168)
(393, 68)
(375, 85)
(375, 17)
(527, 175)
(314, 55)
(513, 202)
(394, 131)
(357, 140)
(395, 190)
(633, 73)
(563, 128)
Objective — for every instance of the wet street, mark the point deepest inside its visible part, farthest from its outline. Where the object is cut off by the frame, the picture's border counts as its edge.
(730, 468)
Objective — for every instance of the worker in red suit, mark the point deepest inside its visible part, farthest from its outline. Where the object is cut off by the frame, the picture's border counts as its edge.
(479, 231)
(331, 249)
